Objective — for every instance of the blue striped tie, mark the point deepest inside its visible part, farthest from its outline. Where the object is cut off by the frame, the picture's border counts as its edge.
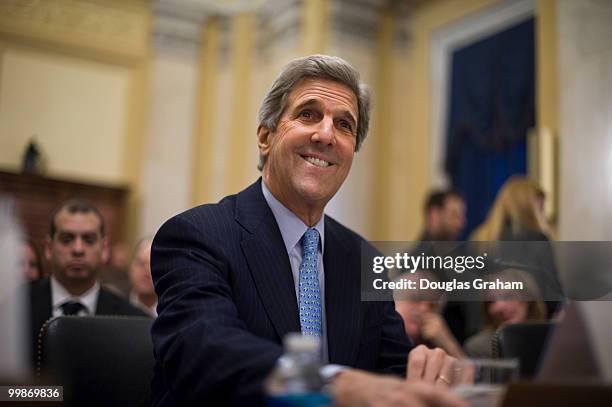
(310, 294)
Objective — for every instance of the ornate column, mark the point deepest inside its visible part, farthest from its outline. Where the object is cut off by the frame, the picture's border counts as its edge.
(167, 170)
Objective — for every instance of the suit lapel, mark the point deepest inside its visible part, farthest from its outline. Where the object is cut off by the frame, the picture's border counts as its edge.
(342, 299)
(103, 306)
(267, 258)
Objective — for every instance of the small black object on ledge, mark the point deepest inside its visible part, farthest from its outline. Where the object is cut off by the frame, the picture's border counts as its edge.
(31, 162)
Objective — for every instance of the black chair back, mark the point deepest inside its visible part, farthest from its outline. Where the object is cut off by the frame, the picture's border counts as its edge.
(100, 360)
(525, 341)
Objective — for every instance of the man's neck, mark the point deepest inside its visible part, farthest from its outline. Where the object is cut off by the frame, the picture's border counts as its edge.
(310, 214)
(76, 288)
(435, 235)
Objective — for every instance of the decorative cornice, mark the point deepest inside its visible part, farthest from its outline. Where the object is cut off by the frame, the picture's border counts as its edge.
(103, 26)
(177, 25)
(280, 23)
(355, 19)
(401, 12)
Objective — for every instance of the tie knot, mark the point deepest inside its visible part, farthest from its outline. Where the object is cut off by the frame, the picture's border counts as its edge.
(310, 241)
(72, 307)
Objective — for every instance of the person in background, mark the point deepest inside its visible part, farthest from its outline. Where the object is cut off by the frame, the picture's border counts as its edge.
(31, 263)
(76, 249)
(506, 307)
(143, 292)
(518, 215)
(444, 212)
(421, 312)
(115, 273)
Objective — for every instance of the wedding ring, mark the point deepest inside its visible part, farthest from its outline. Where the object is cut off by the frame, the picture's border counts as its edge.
(444, 379)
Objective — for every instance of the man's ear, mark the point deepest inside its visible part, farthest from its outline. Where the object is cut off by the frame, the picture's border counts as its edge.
(433, 216)
(48, 248)
(105, 250)
(264, 137)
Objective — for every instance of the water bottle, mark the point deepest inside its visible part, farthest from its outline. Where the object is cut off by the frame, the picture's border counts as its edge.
(296, 380)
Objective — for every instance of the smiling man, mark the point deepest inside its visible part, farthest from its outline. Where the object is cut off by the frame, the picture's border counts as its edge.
(235, 277)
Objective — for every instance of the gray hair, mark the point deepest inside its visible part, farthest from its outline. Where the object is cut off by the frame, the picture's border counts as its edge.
(314, 67)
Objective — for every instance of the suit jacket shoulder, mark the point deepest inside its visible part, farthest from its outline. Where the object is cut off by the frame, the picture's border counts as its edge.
(214, 302)
(110, 303)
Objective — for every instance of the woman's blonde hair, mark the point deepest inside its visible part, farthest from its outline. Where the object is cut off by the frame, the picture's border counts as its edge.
(516, 206)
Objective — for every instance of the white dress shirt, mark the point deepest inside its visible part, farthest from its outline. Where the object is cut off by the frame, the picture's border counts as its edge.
(292, 229)
(59, 296)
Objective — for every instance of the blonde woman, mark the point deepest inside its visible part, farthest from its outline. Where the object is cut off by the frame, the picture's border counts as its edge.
(518, 215)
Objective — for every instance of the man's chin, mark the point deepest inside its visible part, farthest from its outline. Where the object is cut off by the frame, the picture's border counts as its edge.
(316, 191)
(79, 274)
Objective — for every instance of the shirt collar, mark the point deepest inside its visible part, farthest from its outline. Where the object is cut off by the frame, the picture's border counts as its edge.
(59, 295)
(291, 227)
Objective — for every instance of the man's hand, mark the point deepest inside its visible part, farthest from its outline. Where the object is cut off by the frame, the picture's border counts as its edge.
(431, 366)
(434, 327)
(357, 388)
(435, 330)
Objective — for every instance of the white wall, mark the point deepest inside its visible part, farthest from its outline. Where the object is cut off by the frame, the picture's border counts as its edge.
(585, 81)
(75, 107)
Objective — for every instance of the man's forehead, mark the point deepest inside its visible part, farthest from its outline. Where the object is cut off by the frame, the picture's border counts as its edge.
(453, 200)
(80, 221)
(325, 90)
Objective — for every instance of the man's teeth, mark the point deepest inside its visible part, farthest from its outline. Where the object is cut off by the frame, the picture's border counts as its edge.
(317, 162)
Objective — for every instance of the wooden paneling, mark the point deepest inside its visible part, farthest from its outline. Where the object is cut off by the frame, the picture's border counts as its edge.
(36, 196)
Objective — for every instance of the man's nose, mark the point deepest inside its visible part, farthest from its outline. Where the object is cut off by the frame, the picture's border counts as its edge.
(325, 132)
(78, 247)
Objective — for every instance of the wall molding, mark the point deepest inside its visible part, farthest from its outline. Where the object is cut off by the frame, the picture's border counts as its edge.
(106, 27)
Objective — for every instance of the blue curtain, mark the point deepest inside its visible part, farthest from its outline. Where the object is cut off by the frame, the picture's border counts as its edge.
(491, 109)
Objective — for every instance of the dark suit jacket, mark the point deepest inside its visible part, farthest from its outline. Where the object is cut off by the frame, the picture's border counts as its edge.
(227, 298)
(41, 307)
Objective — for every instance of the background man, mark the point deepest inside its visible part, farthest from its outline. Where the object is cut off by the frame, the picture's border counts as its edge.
(444, 212)
(444, 216)
(76, 249)
(143, 292)
(235, 277)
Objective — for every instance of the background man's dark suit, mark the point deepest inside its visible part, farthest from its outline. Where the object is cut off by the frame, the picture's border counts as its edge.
(227, 298)
(41, 307)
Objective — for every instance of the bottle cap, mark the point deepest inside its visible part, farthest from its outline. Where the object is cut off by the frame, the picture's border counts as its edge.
(296, 342)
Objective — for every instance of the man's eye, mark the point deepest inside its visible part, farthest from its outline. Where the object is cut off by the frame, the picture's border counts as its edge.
(90, 239)
(65, 239)
(346, 125)
(306, 114)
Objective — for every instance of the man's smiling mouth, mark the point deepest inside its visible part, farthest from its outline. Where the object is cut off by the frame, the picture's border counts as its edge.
(317, 162)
